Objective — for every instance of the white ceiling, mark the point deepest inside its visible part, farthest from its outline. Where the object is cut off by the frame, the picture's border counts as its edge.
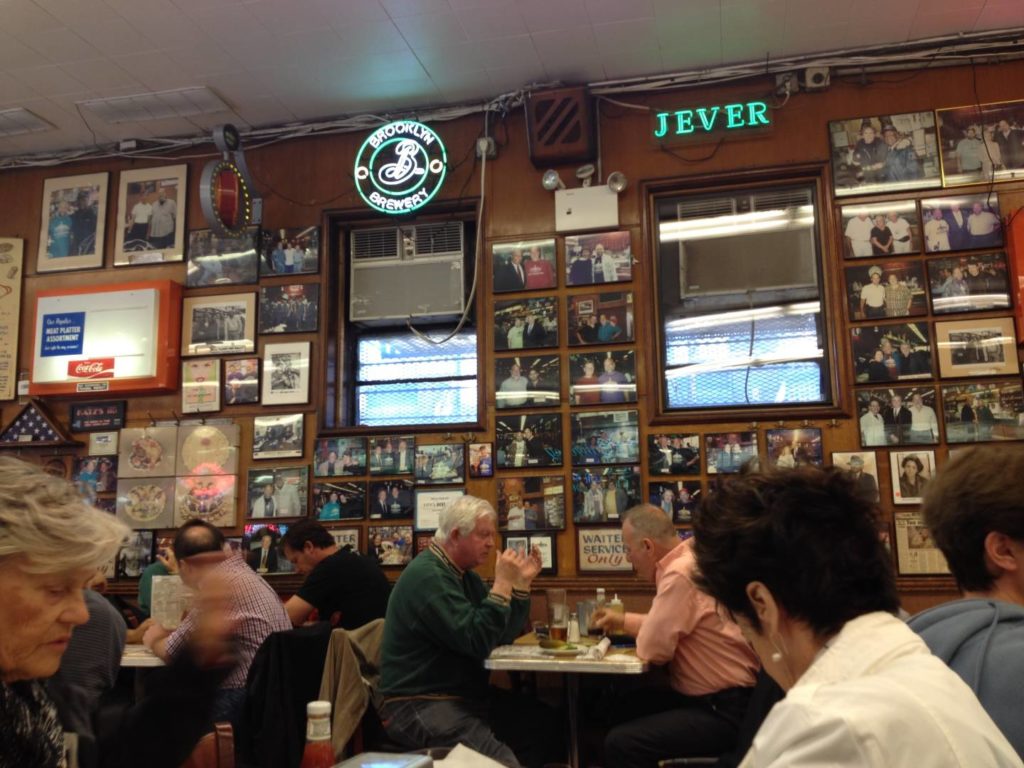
(280, 61)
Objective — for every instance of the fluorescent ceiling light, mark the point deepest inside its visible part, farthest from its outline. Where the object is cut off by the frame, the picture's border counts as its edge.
(16, 121)
(160, 105)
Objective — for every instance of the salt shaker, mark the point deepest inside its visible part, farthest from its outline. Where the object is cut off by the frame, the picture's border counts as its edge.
(573, 633)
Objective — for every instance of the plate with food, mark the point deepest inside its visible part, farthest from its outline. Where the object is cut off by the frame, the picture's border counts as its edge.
(567, 650)
(148, 451)
(145, 504)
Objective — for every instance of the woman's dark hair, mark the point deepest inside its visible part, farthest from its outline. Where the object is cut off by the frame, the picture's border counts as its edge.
(913, 457)
(808, 534)
(306, 530)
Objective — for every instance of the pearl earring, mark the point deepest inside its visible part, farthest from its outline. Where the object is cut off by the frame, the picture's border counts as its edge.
(776, 657)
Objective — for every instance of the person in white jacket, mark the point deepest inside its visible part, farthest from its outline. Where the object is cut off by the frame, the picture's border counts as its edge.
(794, 556)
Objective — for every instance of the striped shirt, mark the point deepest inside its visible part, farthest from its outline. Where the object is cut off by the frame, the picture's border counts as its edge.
(256, 612)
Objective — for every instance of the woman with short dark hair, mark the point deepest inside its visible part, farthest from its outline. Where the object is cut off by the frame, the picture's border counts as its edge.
(796, 558)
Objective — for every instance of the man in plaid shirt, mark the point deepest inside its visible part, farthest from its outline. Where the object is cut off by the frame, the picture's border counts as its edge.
(255, 610)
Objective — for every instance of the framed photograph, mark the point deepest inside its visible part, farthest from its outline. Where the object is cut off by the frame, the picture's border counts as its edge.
(339, 500)
(286, 373)
(531, 503)
(978, 413)
(969, 283)
(261, 548)
(208, 449)
(789, 448)
(200, 385)
(528, 441)
(207, 497)
(897, 231)
(148, 452)
(73, 223)
(391, 499)
(346, 538)
(290, 251)
(671, 454)
(982, 347)
(277, 437)
(605, 257)
(216, 260)
(876, 290)
(524, 266)
(605, 437)
(278, 492)
(897, 352)
(135, 555)
(145, 503)
(481, 460)
(890, 153)
(524, 544)
(981, 143)
(290, 308)
(526, 323)
(600, 550)
(103, 443)
(728, 452)
(441, 464)
(218, 325)
(600, 318)
(897, 416)
(392, 455)
(242, 381)
(151, 216)
(911, 472)
(431, 503)
(97, 416)
(603, 494)
(333, 456)
(390, 545)
(602, 377)
(961, 223)
(95, 474)
(862, 467)
(676, 498)
(917, 554)
(533, 382)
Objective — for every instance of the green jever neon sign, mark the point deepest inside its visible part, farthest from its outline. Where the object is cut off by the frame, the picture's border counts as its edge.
(701, 120)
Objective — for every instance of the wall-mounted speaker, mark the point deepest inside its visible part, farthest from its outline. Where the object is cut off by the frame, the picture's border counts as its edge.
(560, 126)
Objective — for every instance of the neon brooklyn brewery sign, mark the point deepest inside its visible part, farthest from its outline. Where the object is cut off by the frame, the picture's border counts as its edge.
(400, 167)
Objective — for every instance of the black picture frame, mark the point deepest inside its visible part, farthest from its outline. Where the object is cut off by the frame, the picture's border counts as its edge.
(391, 455)
(602, 377)
(673, 454)
(397, 503)
(981, 143)
(893, 427)
(531, 503)
(217, 260)
(975, 282)
(676, 498)
(983, 411)
(289, 493)
(523, 440)
(97, 415)
(528, 381)
(241, 381)
(883, 354)
(600, 318)
(966, 222)
(605, 437)
(338, 456)
(289, 308)
(440, 464)
(304, 241)
(899, 291)
(529, 265)
(335, 500)
(789, 447)
(729, 452)
(594, 487)
(524, 542)
(526, 323)
(901, 218)
(610, 257)
(390, 545)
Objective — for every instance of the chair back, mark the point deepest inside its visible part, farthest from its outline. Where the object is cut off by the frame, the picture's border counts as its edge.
(214, 750)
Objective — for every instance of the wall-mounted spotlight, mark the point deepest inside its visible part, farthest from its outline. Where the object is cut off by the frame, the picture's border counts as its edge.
(586, 207)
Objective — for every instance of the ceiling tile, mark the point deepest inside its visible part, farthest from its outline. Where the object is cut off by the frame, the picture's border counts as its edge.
(1001, 15)
(431, 31)
(156, 73)
(25, 16)
(632, 62)
(100, 74)
(61, 45)
(73, 12)
(14, 54)
(580, 41)
(350, 11)
(604, 11)
(485, 23)
(116, 36)
(635, 34)
(263, 111)
(286, 18)
(462, 5)
(227, 23)
(548, 15)
(399, 8)
(50, 80)
(442, 63)
(939, 24)
(12, 90)
(197, 61)
(505, 51)
(371, 37)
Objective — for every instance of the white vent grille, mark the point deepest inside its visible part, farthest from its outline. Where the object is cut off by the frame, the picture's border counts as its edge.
(141, 107)
(17, 121)
(379, 243)
(438, 239)
(705, 207)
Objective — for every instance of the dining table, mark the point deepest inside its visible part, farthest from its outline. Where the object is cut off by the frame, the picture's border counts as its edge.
(526, 655)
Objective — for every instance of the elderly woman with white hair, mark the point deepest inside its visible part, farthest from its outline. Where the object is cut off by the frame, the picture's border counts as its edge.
(51, 546)
(52, 543)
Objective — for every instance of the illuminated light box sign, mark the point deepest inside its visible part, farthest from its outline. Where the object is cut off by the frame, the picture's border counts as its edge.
(697, 122)
(122, 338)
(400, 167)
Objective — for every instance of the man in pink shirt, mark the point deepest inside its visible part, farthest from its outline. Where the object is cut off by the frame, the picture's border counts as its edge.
(711, 667)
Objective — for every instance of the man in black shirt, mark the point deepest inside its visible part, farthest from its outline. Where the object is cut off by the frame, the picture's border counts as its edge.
(346, 589)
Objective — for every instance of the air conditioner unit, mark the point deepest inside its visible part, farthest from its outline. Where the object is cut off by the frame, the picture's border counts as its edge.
(414, 271)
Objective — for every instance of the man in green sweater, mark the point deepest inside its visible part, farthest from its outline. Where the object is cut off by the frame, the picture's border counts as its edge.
(441, 623)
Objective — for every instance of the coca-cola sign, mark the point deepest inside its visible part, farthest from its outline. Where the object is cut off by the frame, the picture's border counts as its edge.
(93, 368)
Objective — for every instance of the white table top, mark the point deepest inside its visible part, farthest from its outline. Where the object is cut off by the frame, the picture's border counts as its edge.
(139, 656)
(531, 658)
